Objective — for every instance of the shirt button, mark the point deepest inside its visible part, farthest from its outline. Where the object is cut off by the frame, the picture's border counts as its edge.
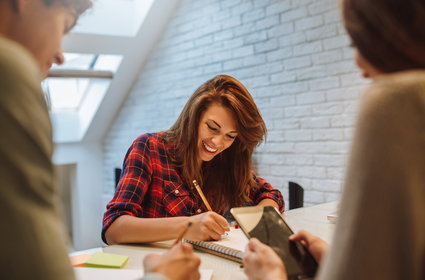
(199, 211)
(176, 192)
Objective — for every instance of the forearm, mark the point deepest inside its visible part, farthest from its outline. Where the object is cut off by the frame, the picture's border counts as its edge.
(129, 229)
(268, 202)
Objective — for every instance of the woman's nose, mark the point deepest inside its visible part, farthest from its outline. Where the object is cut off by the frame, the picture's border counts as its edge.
(218, 141)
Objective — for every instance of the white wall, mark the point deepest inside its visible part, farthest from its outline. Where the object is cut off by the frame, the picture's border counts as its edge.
(293, 56)
(87, 206)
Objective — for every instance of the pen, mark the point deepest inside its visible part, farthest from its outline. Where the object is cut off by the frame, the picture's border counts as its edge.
(201, 194)
(179, 239)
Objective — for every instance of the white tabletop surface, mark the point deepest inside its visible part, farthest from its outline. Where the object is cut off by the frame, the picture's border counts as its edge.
(313, 219)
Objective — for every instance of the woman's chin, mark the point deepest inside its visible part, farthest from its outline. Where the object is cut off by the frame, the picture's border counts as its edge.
(207, 157)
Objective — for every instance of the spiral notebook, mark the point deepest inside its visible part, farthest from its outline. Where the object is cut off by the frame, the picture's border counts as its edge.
(231, 246)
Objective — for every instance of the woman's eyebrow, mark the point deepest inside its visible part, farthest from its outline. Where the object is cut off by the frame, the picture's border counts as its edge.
(215, 122)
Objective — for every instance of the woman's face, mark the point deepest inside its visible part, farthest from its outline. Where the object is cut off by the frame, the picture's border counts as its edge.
(367, 69)
(216, 132)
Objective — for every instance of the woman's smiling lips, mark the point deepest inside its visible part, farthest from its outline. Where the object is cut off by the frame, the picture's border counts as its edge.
(208, 148)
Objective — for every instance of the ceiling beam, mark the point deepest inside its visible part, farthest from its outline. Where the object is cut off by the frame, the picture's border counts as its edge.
(96, 74)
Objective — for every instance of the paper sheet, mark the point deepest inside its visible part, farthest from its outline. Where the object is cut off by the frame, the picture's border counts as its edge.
(89, 273)
(235, 239)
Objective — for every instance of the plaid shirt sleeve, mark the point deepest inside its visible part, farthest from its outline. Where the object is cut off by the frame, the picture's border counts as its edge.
(150, 185)
(133, 184)
(265, 190)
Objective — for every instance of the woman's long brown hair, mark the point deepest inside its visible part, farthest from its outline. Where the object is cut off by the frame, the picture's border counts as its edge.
(227, 179)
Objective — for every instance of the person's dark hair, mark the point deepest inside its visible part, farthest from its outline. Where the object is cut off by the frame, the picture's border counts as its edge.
(389, 34)
(227, 179)
(79, 6)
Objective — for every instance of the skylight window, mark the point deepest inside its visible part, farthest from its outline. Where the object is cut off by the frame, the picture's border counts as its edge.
(107, 62)
(116, 18)
(68, 84)
(80, 61)
(105, 44)
(77, 61)
(66, 94)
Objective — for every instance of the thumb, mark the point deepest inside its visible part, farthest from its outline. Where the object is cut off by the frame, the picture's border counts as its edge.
(187, 248)
(302, 235)
(253, 244)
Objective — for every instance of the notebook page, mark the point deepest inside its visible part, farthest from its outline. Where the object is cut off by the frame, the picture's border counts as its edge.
(234, 239)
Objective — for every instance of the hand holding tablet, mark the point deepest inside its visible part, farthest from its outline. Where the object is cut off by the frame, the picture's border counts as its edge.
(267, 225)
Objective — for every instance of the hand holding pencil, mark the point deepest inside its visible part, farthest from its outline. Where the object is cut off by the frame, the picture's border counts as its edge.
(178, 263)
(208, 225)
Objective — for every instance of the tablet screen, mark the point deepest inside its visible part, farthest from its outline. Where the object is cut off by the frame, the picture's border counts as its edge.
(267, 225)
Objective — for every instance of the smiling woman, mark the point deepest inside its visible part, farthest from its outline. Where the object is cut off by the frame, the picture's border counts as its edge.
(217, 131)
(211, 142)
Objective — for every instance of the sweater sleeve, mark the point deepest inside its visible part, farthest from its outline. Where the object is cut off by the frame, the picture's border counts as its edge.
(380, 232)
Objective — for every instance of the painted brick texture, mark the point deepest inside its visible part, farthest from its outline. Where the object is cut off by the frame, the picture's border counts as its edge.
(293, 56)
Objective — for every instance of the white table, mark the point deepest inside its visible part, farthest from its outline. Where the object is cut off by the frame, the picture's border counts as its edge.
(313, 219)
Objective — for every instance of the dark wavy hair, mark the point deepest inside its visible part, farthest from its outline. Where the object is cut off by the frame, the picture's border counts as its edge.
(227, 179)
(389, 34)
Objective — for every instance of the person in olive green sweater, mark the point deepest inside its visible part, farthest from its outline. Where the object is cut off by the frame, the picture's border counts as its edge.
(32, 235)
(33, 243)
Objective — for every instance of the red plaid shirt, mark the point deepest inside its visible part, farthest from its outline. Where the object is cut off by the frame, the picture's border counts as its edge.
(151, 187)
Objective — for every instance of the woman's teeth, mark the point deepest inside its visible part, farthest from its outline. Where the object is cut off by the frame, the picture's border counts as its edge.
(209, 149)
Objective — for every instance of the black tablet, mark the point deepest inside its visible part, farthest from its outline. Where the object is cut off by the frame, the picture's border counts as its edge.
(267, 225)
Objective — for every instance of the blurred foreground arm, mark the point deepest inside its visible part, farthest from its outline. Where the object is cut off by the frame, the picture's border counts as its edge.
(262, 263)
(178, 263)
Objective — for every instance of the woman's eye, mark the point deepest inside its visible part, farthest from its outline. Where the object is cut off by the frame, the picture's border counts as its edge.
(231, 136)
(212, 128)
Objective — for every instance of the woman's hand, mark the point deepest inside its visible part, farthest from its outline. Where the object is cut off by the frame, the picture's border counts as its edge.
(178, 263)
(317, 246)
(207, 226)
(262, 263)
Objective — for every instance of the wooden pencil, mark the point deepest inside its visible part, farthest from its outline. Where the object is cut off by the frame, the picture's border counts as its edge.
(201, 194)
(180, 238)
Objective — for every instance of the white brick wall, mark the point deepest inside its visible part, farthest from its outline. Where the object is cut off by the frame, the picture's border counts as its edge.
(293, 56)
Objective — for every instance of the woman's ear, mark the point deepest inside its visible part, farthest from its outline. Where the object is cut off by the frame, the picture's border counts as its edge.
(366, 68)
